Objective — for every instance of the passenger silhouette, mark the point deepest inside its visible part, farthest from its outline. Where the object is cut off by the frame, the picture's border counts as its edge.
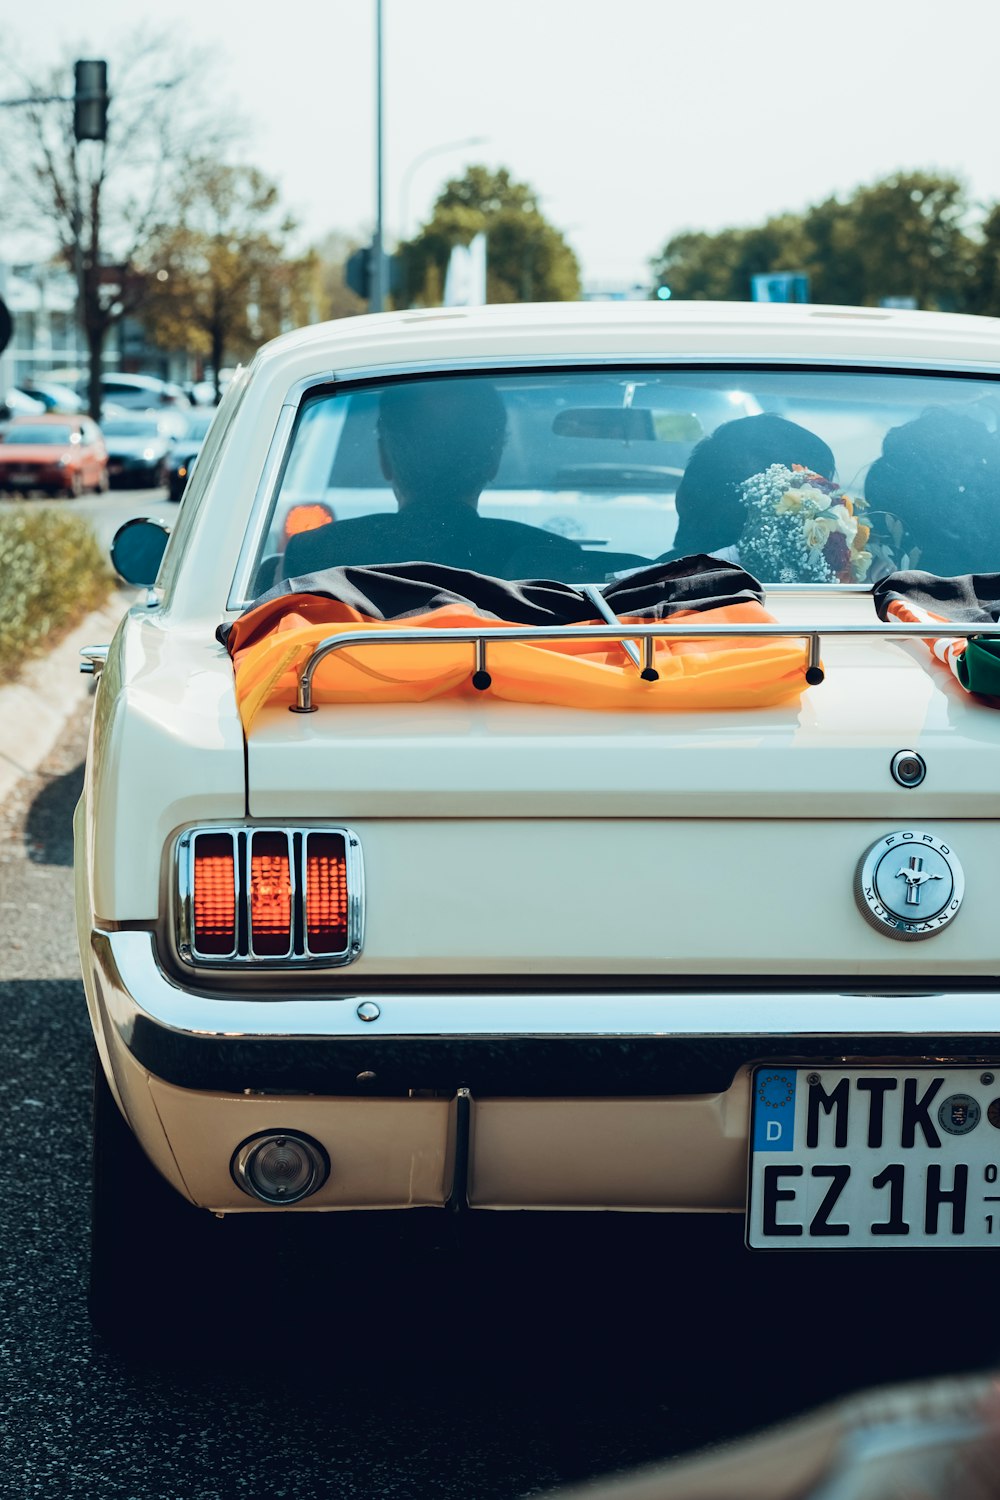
(710, 513)
(935, 494)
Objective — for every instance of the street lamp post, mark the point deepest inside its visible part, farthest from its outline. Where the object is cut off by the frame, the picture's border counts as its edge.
(418, 161)
(376, 301)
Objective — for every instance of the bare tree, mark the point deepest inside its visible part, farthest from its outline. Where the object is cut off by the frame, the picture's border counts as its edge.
(98, 203)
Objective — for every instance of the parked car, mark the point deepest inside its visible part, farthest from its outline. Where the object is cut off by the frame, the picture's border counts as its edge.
(54, 396)
(17, 403)
(517, 788)
(141, 392)
(138, 447)
(58, 455)
(185, 449)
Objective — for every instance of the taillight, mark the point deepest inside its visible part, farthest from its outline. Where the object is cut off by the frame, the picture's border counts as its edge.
(307, 518)
(326, 893)
(214, 894)
(269, 896)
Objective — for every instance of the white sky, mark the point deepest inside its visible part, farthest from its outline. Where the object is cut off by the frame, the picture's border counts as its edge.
(632, 119)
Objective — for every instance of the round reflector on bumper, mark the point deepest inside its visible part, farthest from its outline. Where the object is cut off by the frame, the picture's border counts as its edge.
(280, 1166)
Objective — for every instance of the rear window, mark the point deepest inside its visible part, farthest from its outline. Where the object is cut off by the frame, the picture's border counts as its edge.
(812, 476)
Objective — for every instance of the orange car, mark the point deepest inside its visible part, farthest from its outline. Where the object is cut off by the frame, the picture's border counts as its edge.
(58, 454)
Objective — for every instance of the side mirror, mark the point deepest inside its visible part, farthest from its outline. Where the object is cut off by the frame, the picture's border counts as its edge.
(138, 549)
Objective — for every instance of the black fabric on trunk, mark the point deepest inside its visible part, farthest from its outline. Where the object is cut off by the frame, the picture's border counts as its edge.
(972, 598)
(405, 589)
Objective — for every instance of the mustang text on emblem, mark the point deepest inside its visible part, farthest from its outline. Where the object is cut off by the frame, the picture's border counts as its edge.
(909, 884)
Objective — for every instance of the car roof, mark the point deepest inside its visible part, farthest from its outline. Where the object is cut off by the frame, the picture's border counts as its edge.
(138, 382)
(641, 330)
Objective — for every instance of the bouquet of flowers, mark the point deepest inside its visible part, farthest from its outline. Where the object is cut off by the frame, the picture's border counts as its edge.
(802, 528)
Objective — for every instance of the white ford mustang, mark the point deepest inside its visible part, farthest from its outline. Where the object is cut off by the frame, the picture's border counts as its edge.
(554, 766)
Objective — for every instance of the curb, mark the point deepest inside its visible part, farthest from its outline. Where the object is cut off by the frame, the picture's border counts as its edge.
(35, 710)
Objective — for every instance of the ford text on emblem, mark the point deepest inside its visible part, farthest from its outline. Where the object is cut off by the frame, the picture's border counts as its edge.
(909, 884)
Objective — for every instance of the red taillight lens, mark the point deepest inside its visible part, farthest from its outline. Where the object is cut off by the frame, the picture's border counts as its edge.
(326, 893)
(270, 895)
(214, 894)
(307, 518)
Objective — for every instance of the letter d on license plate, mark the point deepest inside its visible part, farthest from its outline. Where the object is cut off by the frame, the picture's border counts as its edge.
(873, 1158)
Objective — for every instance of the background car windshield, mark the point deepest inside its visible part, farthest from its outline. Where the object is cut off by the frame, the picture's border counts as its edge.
(824, 477)
(130, 427)
(50, 436)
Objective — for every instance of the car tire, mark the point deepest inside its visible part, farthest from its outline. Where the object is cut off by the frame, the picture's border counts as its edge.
(151, 1251)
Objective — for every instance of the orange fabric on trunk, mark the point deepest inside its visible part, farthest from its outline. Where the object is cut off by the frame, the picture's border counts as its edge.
(270, 646)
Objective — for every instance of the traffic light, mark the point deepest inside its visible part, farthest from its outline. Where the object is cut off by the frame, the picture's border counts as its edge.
(90, 100)
(358, 272)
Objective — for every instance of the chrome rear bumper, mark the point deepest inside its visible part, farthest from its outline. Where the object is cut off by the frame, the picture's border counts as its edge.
(519, 1043)
(620, 1101)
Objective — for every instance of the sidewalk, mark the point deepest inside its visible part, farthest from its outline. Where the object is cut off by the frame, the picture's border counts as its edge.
(34, 711)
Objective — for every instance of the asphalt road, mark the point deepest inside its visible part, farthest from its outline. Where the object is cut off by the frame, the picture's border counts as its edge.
(499, 1356)
(107, 512)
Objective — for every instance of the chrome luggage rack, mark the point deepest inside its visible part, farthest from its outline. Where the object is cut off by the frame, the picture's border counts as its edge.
(626, 636)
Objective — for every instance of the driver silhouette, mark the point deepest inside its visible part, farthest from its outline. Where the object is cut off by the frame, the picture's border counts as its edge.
(439, 444)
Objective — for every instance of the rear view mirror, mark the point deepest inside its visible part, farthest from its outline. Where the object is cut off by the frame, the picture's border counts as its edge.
(624, 424)
(628, 424)
(138, 549)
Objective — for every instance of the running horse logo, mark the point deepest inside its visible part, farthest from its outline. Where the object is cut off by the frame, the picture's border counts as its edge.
(915, 876)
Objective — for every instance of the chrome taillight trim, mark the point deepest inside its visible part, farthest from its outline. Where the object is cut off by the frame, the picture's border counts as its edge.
(282, 833)
(185, 887)
(183, 868)
(354, 890)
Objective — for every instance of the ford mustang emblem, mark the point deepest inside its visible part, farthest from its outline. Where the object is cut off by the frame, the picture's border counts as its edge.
(909, 884)
(914, 874)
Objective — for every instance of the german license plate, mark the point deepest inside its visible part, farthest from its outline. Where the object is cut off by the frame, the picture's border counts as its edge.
(115, 466)
(874, 1158)
(22, 476)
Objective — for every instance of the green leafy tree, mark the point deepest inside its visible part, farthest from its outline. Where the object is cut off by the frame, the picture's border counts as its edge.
(718, 267)
(984, 282)
(527, 259)
(221, 279)
(904, 236)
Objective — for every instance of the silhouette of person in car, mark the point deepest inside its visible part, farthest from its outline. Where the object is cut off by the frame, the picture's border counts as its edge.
(710, 513)
(938, 479)
(439, 444)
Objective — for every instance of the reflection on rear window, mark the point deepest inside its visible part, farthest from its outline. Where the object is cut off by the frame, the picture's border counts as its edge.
(802, 476)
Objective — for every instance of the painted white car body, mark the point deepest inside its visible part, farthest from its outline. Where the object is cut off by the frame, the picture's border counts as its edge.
(626, 912)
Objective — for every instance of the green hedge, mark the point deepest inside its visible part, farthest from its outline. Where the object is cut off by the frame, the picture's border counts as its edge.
(52, 572)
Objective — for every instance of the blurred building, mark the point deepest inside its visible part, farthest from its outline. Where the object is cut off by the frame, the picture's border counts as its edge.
(42, 303)
(47, 340)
